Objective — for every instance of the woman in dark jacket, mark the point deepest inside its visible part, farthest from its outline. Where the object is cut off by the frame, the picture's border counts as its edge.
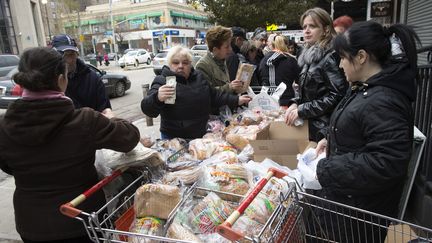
(194, 98)
(321, 84)
(371, 130)
(278, 66)
(49, 148)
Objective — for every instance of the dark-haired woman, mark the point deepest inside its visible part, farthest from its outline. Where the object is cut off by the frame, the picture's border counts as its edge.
(49, 148)
(371, 130)
(321, 83)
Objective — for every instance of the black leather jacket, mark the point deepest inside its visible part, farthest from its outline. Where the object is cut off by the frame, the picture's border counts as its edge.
(322, 85)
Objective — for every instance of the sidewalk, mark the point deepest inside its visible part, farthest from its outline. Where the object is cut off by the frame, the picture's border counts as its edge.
(8, 233)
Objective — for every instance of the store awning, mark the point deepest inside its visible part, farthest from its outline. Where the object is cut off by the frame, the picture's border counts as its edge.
(154, 14)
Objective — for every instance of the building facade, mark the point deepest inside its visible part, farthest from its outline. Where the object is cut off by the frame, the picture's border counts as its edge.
(21, 26)
(149, 24)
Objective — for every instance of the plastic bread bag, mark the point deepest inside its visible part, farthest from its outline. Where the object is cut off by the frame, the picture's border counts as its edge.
(227, 157)
(247, 226)
(186, 176)
(246, 154)
(156, 200)
(203, 148)
(209, 213)
(147, 226)
(179, 232)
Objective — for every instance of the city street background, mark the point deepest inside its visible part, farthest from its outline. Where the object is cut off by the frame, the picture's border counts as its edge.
(126, 107)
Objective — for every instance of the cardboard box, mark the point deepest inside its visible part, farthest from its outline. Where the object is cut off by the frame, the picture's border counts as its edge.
(281, 143)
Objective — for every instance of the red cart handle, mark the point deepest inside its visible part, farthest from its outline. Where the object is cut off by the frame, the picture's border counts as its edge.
(69, 209)
(225, 229)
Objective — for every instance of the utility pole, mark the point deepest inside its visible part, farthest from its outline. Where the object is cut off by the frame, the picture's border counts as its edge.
(113, 33)
(45, 2)
(80, 35)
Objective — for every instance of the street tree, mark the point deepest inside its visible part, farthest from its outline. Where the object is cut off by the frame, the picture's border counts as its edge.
(250, 14)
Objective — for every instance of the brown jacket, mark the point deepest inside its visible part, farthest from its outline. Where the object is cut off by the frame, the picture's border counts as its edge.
(50, 150)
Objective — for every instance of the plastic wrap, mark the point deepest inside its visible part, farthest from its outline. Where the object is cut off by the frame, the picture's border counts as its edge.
(156, 200)
(148, 226)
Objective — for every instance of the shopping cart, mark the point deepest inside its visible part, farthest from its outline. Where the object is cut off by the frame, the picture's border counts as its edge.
(302, 217)
(298, 217)
(257, 89)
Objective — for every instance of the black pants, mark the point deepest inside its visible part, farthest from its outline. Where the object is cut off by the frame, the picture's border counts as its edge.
(82, 239)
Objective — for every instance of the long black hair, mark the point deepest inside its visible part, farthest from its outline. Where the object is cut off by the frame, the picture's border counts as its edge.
(375, 40)
(39, 69)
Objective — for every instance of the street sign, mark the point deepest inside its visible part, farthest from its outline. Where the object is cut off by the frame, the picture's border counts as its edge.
(272, 27)
(81, 38)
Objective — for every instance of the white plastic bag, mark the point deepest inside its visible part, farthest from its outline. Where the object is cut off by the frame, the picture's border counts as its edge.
(307, 164)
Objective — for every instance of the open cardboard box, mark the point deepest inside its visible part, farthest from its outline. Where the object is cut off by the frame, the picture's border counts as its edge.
(281, 143)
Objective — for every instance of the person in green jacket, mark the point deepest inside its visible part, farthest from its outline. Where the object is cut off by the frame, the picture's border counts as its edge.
(213, 64)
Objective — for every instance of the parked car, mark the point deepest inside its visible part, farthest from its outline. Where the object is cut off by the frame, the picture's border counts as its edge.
(161, 60)
(7, 63)
(9, 90)
(115, 85)
(112, 55)
(199, 50)
(135, 58)
(90, 56)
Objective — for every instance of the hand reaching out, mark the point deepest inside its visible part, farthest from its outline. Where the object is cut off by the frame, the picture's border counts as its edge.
(244, 99)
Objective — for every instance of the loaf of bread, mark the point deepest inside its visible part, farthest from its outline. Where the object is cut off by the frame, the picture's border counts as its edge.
(156, 200)
(237, 141)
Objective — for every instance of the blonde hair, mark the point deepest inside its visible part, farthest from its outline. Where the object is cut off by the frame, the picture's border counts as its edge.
(217, 35)
(179, 51)
(321, 18)
(281, 43)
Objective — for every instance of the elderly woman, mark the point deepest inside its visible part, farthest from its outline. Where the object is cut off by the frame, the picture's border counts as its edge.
(213, 64)
(194, 98)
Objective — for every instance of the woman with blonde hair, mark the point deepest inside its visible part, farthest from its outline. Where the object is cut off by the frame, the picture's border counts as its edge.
(321, 83)
(278, 66)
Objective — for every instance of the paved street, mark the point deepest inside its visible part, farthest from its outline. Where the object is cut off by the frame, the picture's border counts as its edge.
(127, 107)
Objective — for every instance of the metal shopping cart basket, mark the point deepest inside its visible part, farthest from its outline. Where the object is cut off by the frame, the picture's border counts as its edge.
(302, 217)
(257, 89)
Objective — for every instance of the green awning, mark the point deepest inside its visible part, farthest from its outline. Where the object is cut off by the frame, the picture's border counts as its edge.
(154, 14)
(176, 14)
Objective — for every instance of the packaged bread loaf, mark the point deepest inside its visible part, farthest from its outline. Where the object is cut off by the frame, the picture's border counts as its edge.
(177, 231)
(156, 200)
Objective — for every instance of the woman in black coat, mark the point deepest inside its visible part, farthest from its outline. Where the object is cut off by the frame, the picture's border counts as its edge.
(194, 98)
(321, 83)
(370, 135)
(278, 66)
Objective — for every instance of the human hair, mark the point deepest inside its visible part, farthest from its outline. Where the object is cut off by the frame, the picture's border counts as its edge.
(321, 18)
(259, 34)
(180, 51)
(271, 39)
(344, 21)
(39, 69)
(217, 35)
(373, 38)
(281, 43)
(246, 48)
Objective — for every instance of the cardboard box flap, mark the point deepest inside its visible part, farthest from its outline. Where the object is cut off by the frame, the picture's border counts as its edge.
(280, 130)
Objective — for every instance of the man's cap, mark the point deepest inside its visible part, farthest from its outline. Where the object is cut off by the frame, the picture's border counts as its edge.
(64, 43)
(238, 32)
(259, 34)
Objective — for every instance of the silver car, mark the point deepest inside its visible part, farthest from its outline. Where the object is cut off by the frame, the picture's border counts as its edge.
(161, 60)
